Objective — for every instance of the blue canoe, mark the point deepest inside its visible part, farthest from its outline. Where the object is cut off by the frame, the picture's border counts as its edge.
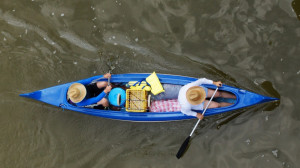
(57, 96)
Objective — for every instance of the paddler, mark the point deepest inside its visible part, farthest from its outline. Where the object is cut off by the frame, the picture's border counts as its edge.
(193, 96)
(90, 95)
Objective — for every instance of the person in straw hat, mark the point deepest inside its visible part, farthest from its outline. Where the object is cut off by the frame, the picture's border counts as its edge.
(193, 96)
(92, 94)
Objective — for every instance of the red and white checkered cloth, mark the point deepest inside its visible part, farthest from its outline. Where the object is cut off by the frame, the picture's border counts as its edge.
(165, 106)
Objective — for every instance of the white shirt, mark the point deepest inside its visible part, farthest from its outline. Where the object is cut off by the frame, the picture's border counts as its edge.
(186, 107)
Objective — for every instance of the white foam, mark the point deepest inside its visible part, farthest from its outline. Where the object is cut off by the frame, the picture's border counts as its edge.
(275, 153)
(76, 40)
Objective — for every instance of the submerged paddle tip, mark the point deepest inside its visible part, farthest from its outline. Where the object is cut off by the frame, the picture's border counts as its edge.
(183, 147)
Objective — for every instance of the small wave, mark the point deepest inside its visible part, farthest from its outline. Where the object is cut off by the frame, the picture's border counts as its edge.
(76, 40)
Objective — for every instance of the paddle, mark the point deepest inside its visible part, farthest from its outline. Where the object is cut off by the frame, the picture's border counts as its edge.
(96, 80)
(185, 144)
(108, 79)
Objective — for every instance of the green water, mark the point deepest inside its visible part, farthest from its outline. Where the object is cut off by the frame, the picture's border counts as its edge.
(253, 45)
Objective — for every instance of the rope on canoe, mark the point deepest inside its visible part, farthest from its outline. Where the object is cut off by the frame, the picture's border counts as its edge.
(63, 106)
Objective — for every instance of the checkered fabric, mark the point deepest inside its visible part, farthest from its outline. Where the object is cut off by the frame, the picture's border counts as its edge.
(165, 106)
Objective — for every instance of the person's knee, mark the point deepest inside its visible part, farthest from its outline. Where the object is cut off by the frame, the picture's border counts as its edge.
(215, 105)
(219, 94)
(211, 92)
(104, 102)
(102, 84)
(212, 104)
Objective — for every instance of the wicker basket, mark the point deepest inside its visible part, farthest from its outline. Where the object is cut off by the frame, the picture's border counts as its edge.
(136, 100)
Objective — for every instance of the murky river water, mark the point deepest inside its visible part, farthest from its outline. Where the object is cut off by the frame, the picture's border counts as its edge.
(254, 45)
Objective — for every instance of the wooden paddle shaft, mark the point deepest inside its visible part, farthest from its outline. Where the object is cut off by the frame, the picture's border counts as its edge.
(204, 112)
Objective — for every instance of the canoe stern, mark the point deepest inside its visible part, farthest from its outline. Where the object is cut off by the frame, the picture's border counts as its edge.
(53, 95)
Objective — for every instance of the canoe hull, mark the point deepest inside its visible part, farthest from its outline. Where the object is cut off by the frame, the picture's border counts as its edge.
(57, 96)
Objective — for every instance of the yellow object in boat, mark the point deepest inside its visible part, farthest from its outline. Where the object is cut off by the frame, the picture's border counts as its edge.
(155, 84)
(136, 100)
(139, 85)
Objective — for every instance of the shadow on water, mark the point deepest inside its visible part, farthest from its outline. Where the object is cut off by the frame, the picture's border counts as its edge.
(223, 120)
(296, 7)
(216, 72)
(268, 87)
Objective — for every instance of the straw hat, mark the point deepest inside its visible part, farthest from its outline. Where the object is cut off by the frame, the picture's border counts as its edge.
(76, 92)
(195, 95)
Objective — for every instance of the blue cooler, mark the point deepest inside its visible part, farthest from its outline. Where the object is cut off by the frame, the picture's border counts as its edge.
(117, 97)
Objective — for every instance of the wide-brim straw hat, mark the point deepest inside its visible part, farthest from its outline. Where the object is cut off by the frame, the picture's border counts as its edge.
(76, 92)
(195, 95)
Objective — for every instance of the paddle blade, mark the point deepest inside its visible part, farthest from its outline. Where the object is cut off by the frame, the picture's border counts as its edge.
(183, 147)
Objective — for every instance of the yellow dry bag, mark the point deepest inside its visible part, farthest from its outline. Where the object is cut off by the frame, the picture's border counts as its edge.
(155, 84)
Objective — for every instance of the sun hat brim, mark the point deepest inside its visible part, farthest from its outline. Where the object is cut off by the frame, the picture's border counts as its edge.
(199, 91)
(76, 87)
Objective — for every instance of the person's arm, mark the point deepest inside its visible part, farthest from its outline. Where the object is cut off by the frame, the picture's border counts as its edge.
(201, 81)
(218, 83)
(192, 113)
(107, 75)
(188, 112)
(200, 116)
(93, 100)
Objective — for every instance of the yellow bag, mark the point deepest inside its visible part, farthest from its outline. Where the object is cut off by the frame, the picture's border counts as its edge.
(139, 85)
(155, 84)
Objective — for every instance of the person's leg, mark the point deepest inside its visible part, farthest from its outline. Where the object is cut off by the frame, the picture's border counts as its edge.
(227, 95)
(223, 94)
(104, 102)
(102, 84)
(211, 105)
(224, 104)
